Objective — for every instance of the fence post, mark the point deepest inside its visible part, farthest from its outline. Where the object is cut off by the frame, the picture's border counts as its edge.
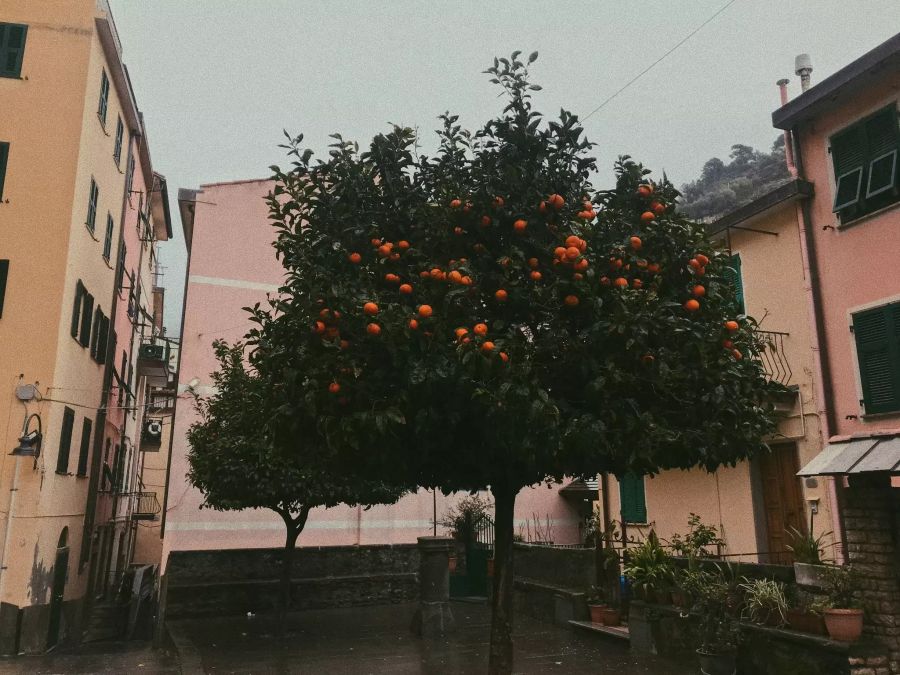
(433, 617)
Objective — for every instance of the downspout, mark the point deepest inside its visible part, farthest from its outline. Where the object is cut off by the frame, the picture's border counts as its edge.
(788, 149)
(819, 345)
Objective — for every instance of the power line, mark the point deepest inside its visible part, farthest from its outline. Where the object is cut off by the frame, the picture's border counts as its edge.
(652, 65)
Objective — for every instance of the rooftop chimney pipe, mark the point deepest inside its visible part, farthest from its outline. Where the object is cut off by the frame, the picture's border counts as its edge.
(803, 68)
(788, 143)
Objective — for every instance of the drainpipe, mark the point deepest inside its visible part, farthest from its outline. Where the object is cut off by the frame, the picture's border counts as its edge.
(819, 346)
(9, 510)
(788, 149)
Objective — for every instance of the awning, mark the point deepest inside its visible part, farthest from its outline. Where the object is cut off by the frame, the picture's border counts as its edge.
(869, 454)
(581, 489)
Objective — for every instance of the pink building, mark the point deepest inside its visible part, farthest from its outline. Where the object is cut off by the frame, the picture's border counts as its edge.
(232, 265)
(846, 142)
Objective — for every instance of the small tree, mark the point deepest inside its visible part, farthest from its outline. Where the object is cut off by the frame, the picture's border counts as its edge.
(493, 321)
(236, 465)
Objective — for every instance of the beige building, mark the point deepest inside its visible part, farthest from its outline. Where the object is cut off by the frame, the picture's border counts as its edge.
(74, 170)
(753, 503)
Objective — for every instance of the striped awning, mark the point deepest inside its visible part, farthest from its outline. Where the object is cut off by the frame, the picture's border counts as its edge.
(581, 489)
(868, 454)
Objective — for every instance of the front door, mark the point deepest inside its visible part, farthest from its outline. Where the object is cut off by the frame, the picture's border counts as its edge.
(56, 598)
(782, 499)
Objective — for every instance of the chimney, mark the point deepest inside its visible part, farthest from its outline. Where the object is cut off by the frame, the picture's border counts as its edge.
(788, 141)
(803, 68)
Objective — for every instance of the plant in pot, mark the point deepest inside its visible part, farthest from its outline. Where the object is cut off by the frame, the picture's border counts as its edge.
(649, 569)
(601, 611)
(809, 567)
(843, 612)
(717, 629)
(765, 602)
(464, 521)
(698, 540)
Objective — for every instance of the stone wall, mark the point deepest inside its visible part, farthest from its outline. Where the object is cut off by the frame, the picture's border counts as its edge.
(206, 583)
(872, 530)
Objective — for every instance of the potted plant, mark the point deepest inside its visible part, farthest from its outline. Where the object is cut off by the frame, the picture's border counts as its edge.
(843, 614)
(765, 602)
(718, 629)
(695, 543)
(649, 568)
(596, 604)
(809, 568)
(803, 614)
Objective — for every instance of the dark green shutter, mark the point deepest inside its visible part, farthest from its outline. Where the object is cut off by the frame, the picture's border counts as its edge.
(107, 242)
(95, 331)
(877, 333)
(4, 157)
(93, 198)
(87, 309)
(86, 426)
(633, 499)
(65, 441)
(104, 97)
(76, 309)
(4, 274)
(734, 278)
(117, 150)
(12, 48)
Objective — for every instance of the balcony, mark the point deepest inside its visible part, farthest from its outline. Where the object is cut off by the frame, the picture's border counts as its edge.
(773, 358)
(144, 505)
(153, 363)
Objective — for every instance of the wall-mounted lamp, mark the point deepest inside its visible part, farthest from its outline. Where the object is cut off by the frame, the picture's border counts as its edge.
(29, 441)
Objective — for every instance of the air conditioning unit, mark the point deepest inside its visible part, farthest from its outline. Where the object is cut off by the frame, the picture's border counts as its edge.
(149, 351)
(152, 434)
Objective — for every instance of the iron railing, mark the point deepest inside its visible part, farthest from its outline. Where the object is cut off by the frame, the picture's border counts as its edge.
(144, 506)
(773, 358)
(484, 533)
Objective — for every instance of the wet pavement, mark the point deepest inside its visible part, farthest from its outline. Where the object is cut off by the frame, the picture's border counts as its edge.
(121, 658)
(364, 640)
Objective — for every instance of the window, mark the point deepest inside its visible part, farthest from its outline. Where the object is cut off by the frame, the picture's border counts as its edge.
(122, 371)
(65, 441)
(76, 309)
(4, 273)
(877, 333)
(104, 98)
(107, 241)
(865, 157)
(129, 177)
(120, 132)
(4, 156)
(12, 49)
(735, 279)
(93, 198)
(87, 308)
(85, 450)
(631, 495)
(95, 331)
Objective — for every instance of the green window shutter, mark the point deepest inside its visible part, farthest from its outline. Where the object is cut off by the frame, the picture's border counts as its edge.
(4, 157)
(85, 449)
(848, 155)
(120, 132)
(4, 274)
(734, 278)
(12, 48)
(633, 499)
(877, 333)
(93, 198)
(76, 309)
(104, 97)
(65, 441)
(883, 141)
(87, 309)
(107, 241)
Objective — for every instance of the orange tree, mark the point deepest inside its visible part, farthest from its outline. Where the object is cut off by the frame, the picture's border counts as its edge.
(485, 318)
(237, 464)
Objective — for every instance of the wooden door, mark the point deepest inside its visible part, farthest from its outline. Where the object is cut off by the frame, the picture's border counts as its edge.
(782, 500)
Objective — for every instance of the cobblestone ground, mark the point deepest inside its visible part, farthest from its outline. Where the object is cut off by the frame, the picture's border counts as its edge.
(375, 640)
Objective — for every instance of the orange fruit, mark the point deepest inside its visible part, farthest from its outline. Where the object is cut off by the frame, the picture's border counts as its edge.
(413, 324)
(332, 332)
(455, 203)
(727, 344)
(504, 262)
(436, 273)
(702, 259)
(455, 277)
(732, 326)
(324, 313)
(406, 289)
(460, 332)
(344, 344)
(698, 291)
(582, 264)
(504, 357)
(487, 346)
(403, 244)
(578, 276)
(480, 329)
(653, 267)
(737, 354)
(334, 387)
(536, 276)
(376, 242)
(700, 271)
(370, 308)
(604, 281)
(571, 301)
(424, 274)
(637, 283)
(425, 311)
(559, 252)
(648, 359)
(467, 207)
(355, 258)
(647, 216)
(485, 221)
(501, 295)
(636, 243)
(572, 240)
(621, 282)
(498, 202)
(384, 250)
(693, 263)
(542, 207)
(572, 252)
(533, 263)
(556, 201)
(319, 327)
(692, 305)
(467, 281)
(520, 225)
(645, 190)
(457, 231)
(391, 278)
(373, 329)
(658, 208)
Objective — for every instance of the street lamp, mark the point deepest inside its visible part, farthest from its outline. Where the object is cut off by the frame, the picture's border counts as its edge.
(29, 441)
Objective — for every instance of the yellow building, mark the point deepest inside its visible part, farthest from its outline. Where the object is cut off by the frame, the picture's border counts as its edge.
(753, 503)
(71, 138)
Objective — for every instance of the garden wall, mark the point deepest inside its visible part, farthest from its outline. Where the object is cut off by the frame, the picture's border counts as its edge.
(552, 583)
(236, 581)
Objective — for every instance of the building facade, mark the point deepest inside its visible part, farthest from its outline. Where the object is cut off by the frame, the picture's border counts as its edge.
(72, 157)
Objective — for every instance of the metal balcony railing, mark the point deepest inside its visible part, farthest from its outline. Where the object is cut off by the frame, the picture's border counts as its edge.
(144, 506)
(773, 358)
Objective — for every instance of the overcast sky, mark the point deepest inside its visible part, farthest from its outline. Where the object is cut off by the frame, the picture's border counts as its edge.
(217, 81)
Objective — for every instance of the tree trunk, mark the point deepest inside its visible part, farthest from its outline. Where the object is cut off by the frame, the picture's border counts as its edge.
(293, 526)
(501, 650)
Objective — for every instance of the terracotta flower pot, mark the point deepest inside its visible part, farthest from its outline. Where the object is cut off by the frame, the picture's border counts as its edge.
(610, 616)
(452, 564)
(717, 664)
(805, 622)
(596, 610)
(844, 624)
